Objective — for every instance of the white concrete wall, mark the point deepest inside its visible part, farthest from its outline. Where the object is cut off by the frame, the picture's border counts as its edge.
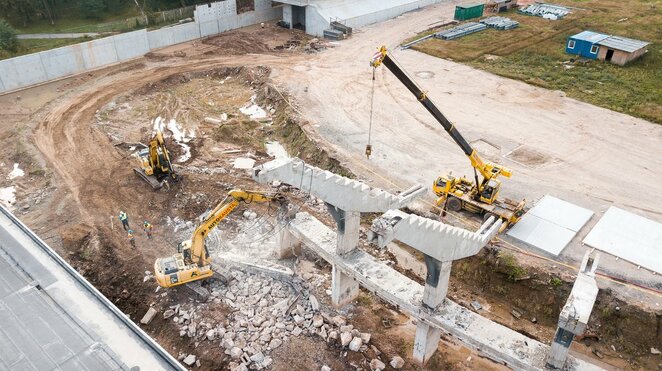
(31, 69)
(357, 13)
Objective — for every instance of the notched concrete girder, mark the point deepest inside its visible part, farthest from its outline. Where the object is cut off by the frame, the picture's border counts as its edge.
(433, 238)
(341, 192)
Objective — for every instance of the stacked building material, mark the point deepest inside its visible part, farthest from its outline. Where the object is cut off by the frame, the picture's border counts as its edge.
(459, 31)
(500, 23)
(549, 11)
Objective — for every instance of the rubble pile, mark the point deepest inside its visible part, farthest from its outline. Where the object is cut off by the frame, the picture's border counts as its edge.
(266, 312)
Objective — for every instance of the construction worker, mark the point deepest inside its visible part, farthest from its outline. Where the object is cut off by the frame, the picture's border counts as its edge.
(147, 227)
(132, 240)
(124, 219)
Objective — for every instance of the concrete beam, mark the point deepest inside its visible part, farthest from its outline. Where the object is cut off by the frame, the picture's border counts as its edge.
(489, 338)
(341, 192)
(426, 342)
(433, 238)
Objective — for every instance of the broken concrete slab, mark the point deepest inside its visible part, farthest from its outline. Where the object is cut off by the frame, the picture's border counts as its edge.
(149, 316)
(189, 360)
(243, 163)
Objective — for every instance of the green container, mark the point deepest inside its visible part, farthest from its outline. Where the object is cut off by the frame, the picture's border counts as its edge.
(468, 11)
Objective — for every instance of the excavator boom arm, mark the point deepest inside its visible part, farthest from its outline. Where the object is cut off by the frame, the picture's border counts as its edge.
(220, 212)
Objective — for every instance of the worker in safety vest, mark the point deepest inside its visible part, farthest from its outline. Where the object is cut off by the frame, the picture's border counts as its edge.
(124, 219)
(132, 240)
(147, 227)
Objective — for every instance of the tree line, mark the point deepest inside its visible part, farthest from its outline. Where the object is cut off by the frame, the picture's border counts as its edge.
(23, 12)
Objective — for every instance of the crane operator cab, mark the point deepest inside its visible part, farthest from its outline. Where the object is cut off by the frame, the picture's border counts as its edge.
(490, 191)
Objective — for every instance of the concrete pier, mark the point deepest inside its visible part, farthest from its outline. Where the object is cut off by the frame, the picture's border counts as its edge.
(575, 313)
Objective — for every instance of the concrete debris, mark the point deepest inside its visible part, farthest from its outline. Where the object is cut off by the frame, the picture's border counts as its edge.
(325, 368)
(189, 360)
(476, 305)
(655, 351)
(355, 344)
(257, 357)
(235, 353)
(318, 321)
(515, 313)
(365, 337)
(377, 365)
(211, 335)
(397, 362)
(168, 313)
(345, 339)
(243, 163)
(149, 316)
(314, 303)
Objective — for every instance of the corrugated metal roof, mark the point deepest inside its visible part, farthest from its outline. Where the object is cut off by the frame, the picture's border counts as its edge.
(623, 43)
(589, 36)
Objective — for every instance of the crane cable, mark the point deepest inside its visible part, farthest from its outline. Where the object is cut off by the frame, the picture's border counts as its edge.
(368, 147)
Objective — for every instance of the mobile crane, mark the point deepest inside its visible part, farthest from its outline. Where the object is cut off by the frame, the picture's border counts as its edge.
(155, 162)
(192, 261)
(457, 193)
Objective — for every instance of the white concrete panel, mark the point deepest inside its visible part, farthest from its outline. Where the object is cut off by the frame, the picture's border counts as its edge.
(63, 61)
(208, 28)
(161, 38)
(185, 32)
(99, 52)
(551, 224)
(628, 236)
(542, 234)
(2, 85)
(22, 71)
(561, 213)
(131, 45)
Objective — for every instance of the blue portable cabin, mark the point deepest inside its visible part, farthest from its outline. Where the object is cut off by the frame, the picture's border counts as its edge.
(585, 44)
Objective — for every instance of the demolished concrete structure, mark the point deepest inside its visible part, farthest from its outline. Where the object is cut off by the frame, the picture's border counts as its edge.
(440, 244)
(575, 313)
(351, 264)
(345, 199)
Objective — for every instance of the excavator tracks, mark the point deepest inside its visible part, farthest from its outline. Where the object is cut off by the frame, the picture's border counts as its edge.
(149, 179)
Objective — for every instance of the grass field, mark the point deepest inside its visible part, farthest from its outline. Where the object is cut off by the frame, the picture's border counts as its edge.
(36, 45)
(535, 53)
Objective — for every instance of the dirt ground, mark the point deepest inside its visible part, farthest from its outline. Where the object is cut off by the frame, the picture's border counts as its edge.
(74, 140)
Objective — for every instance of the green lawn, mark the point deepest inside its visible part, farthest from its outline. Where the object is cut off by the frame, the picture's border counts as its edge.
(37, 45)
(535, 53)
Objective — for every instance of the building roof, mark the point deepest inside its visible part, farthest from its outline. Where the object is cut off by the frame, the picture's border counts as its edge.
(623, 43)
(590, 36)
(467, 6)
(53, 319)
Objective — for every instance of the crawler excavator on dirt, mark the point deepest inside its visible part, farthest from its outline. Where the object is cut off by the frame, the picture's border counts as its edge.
(457, 193)
(192, 261)
(155, 164)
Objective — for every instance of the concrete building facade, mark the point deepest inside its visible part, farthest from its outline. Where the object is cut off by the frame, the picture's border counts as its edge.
(315, 16)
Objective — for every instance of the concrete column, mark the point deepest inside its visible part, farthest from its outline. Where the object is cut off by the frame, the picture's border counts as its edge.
(289, 245)
(344, 288)
(558, 352)
(348, 236)
(425, 343)
(436, 282)
(287, 15)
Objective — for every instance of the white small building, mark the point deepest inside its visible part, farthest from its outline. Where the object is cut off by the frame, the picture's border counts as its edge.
(315, 16)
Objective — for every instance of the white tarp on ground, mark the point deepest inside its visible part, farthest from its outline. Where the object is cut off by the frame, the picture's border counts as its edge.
(551, 224)
(628, 236)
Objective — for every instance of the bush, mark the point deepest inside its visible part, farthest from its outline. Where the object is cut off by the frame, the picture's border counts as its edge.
(8, 39)
(92, 8)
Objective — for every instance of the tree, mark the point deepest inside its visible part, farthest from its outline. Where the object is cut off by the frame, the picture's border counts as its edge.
(8, 39)
(92, 8)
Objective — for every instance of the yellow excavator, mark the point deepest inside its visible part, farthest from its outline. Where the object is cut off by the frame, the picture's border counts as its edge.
(457, 193)
(155, 164)
(192, 261)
